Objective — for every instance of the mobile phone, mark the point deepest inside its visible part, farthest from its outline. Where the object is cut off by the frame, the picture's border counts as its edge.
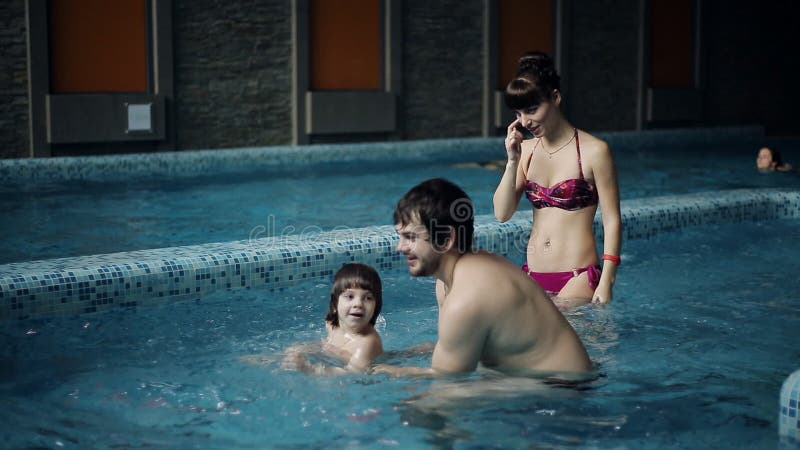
(526, 133)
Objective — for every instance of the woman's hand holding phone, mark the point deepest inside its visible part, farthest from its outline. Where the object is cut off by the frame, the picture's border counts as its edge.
(514, 138)
(526, 133)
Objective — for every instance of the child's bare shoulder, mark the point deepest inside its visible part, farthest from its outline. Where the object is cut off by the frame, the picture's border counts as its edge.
(372, 344)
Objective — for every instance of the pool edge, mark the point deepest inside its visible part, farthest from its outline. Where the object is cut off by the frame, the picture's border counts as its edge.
(91, 284)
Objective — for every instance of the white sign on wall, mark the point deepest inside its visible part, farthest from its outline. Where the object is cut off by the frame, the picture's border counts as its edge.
(140, 117)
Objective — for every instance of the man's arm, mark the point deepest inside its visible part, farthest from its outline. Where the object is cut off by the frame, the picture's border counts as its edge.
(404, 371)
(463, 328)
(462, 332)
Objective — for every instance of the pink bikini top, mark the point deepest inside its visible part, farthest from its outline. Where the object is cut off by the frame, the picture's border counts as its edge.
(570, 195)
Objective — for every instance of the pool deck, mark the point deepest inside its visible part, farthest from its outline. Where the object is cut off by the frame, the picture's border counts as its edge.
(92, 284)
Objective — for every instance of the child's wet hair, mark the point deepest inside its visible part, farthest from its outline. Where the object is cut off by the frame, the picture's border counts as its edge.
(355, 275)
(536, 82)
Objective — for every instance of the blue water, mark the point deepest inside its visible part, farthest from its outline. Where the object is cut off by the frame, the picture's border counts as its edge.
(692, 351)
(73, 219)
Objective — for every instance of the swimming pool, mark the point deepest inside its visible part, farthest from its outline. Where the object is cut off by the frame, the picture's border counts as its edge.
(168, 375)
(288, 193)
(693, 351)
(97, 205)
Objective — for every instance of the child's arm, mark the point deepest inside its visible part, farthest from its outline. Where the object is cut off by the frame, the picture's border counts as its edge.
(362, 358)
(360, 361)
(299, 362)
(265, 359)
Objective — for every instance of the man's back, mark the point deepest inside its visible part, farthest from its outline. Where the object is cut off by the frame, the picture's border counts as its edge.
(510, 322)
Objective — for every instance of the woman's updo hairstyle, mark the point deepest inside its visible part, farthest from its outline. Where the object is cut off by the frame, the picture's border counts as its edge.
(535, 82)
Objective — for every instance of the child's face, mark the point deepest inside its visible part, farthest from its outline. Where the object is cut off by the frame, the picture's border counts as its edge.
(355, 308)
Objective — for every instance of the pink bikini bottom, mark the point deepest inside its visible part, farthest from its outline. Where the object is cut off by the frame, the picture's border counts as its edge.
(553, 282)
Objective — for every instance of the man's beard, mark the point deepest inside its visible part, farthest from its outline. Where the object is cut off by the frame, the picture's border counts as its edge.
(426, 268)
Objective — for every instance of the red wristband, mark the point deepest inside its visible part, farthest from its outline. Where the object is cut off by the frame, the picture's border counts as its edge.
(613, 258)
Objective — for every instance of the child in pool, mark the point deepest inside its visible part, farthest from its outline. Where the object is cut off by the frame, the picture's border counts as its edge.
(356, 301)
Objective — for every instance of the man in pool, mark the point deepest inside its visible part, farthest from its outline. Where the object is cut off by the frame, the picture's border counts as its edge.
(490, 312)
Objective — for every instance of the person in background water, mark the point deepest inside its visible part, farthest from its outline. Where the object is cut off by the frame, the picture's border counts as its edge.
(769, 160)
(490, 312)
(355, 303)
(565, 173)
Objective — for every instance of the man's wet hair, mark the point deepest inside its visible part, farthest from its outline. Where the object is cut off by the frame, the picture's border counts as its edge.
(439, 205)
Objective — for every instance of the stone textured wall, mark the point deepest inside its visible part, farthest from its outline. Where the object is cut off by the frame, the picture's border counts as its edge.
(751, 64)
(732, 71)
(442, 69)
(13, 80)
(601, 83)
(232, 73)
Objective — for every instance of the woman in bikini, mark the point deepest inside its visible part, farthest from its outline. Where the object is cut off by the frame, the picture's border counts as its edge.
(565, 173)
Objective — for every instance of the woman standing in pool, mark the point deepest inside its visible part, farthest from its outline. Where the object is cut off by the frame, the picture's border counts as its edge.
(565, 173)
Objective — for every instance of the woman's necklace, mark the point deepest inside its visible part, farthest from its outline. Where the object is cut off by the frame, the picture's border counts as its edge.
(549, 153)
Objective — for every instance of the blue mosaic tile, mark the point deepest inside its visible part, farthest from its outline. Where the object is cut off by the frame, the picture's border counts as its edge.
(101, 282)
(176, 165)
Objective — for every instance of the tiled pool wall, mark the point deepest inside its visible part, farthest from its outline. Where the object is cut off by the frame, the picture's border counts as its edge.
(173, 165)
(92, 284)
(789, 415)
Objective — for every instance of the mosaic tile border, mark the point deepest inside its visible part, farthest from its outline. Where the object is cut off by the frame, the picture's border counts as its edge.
(185, 164)
(175, 165)
(91, 284)
(789, 410)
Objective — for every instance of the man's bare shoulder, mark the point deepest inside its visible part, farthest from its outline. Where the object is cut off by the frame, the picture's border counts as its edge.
(486, 275)
(480, 274)
(482, 266)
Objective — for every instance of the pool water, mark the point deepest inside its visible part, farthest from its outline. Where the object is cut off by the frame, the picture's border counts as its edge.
(74, 219)
(84, 219)
(650, 173)
(692, 352)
